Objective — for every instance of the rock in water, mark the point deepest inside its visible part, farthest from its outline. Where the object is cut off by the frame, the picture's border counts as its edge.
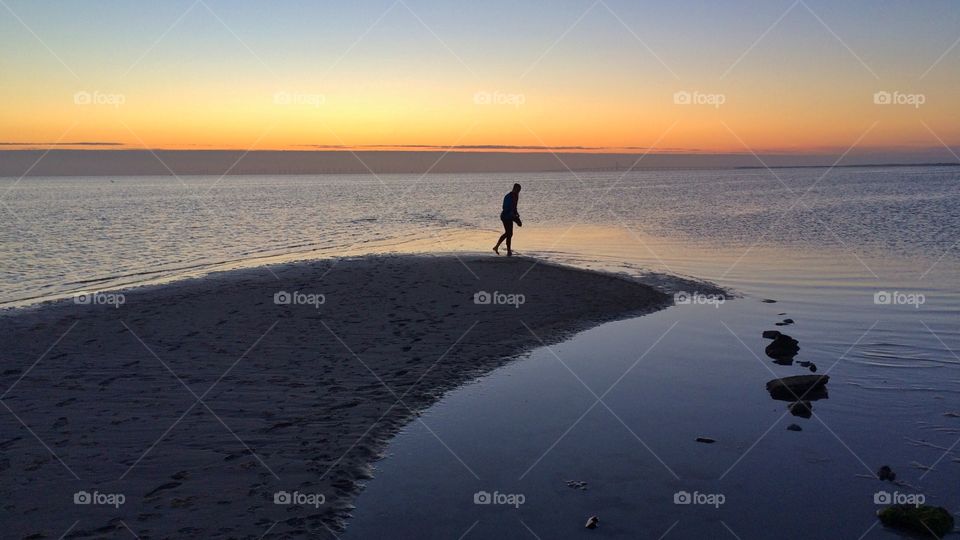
(886, 473)
(922, 519)
(707, 440)
(768, 301)
(798, 386)
(794, 427)
(803, 409)
(593, 522)
(783, 347)
(771, 334)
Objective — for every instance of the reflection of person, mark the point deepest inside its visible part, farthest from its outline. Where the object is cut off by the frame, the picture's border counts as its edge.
(509, 216)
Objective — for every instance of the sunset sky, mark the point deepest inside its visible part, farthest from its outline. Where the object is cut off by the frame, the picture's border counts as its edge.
(771, 75)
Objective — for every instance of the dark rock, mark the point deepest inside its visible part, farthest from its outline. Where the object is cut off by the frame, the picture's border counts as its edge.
(922, 519)
(783, 347)
(809, 365)
(785, 322)
(886, 473)
(768, 301)
(803, 409)
(771, 334)
(707, 440)
(794, 427)
(809, 387)
(593, 522)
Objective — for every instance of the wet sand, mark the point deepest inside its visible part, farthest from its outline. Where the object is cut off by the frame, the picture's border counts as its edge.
(198, 402)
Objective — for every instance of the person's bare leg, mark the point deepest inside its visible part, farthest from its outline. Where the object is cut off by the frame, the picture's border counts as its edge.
(509, 251)
(500, 241)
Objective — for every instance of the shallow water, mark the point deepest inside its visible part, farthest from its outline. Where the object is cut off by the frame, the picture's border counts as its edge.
(895, 371)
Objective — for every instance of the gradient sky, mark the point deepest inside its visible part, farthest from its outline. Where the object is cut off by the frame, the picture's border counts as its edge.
(289, 74)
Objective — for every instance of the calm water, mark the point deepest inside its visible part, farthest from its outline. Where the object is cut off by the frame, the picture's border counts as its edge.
(821, 243)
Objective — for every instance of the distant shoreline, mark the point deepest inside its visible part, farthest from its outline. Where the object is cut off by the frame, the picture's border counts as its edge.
(132, 162)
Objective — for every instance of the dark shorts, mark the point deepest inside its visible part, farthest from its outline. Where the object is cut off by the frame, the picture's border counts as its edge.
(507, 226)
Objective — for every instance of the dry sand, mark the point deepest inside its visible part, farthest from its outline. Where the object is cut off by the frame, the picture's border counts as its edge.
(199, 400)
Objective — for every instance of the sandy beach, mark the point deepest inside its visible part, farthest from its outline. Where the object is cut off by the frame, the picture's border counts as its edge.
(202, 407)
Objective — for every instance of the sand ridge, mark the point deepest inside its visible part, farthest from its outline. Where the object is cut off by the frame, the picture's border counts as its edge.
(203, 401)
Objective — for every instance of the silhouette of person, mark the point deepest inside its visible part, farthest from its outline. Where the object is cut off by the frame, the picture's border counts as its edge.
(509, 216)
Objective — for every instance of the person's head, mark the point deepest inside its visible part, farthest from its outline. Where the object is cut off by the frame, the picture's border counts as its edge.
(516, 188)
